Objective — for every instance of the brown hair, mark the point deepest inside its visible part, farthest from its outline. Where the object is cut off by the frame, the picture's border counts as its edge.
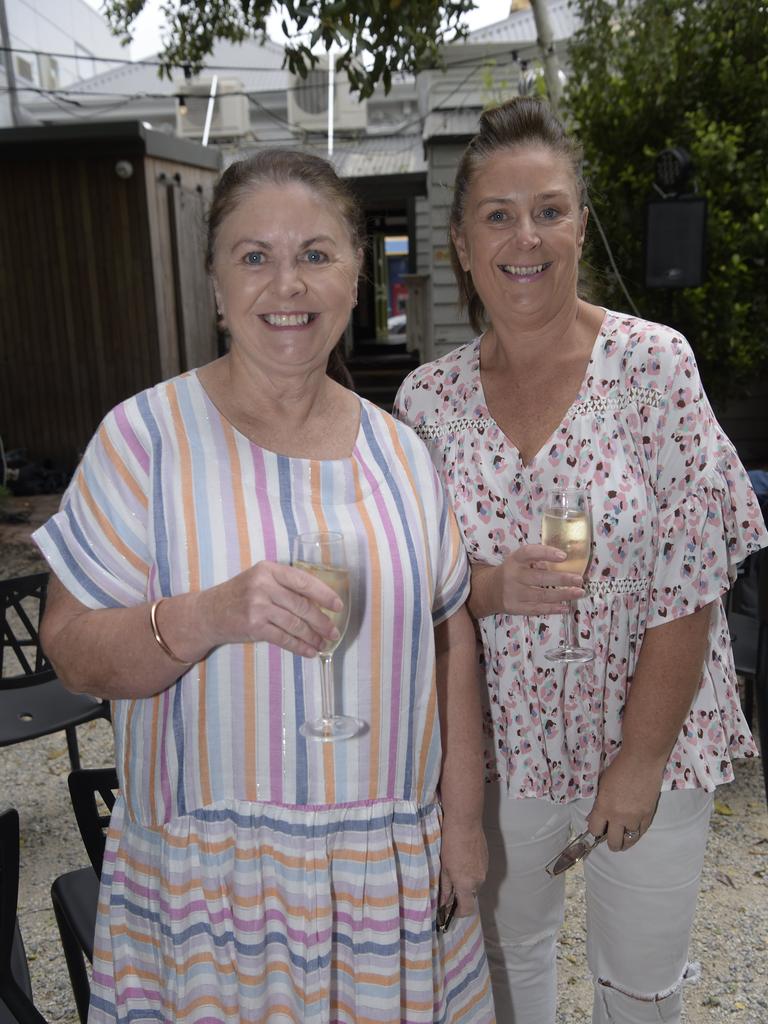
(283, 167)
(525, 120)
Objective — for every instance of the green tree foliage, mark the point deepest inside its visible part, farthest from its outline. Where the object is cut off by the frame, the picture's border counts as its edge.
(651, 74)
(375, 37)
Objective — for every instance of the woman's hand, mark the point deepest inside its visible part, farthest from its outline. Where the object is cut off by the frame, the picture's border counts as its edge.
(274, 603)
(627, 795)
(525, 583)
(463, 864)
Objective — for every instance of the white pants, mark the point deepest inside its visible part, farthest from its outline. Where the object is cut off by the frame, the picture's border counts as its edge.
(640, 908)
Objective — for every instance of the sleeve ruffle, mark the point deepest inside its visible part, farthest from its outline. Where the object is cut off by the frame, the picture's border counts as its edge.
(96, 543)
(702, 540)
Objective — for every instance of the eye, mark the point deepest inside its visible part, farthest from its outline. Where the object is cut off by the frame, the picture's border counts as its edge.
(315, 256)
(253, 259)
(549, 213)
(497, 216)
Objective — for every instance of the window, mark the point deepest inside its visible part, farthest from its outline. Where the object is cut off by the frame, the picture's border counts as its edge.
(48, 69)
(24, 68)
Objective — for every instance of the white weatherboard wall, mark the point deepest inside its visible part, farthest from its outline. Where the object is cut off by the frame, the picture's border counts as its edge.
(448, 328)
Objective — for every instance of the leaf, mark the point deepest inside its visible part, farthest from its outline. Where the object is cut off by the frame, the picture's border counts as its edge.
(721, 807)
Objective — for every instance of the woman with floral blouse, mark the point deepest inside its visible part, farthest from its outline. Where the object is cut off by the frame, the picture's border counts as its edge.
(628, 747)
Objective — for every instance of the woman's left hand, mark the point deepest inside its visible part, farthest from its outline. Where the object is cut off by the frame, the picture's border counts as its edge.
(627, 795)
(463, 864)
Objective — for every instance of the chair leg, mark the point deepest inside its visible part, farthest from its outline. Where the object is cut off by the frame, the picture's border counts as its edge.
(761, 701)
(78, 975)
(72, 747)
(748, 701)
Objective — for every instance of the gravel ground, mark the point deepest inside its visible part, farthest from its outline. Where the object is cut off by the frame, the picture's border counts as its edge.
(730, 937)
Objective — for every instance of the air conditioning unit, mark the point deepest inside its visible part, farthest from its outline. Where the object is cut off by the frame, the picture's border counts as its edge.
(308, 101)
(231, 117)
(48, 67)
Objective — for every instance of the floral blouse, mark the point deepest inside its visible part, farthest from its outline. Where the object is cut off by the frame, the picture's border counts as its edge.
(673, 514)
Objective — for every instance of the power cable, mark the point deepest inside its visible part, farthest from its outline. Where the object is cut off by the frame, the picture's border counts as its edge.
(619, 278)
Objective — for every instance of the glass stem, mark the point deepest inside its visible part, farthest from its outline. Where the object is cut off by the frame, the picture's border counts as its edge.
(568, 616)
(326, 686)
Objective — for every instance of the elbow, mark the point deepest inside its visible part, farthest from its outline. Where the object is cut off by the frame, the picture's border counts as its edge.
(66, 671)
(71, 680)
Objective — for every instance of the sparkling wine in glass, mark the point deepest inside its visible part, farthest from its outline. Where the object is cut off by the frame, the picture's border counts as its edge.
(322, 555)
(566, 525)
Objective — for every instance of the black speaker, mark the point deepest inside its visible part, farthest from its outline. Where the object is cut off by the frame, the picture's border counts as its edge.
(674, 242)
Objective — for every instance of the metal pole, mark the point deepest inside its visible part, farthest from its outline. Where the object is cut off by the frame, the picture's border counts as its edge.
(10, 71)
(331, 66)
(209, 111)
(549, 57)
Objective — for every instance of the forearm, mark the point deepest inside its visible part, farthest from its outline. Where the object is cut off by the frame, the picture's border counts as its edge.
(485, 593)
(665, 682)
(458, 689)
(112, 652)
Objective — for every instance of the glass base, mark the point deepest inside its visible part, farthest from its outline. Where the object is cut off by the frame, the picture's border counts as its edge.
(566, 653)
(329, 730)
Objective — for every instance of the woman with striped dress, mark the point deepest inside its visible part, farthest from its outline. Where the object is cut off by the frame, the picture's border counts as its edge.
(252, 874)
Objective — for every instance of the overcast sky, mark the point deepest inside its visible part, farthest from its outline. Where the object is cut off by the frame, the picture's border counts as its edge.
(146, 40)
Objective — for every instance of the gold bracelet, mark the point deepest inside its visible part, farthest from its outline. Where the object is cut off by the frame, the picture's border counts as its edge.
(158, 636)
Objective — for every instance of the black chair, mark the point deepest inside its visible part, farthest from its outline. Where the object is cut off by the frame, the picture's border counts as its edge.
(16, 1006)
(33, 702)
(75, 894)
(747, 609)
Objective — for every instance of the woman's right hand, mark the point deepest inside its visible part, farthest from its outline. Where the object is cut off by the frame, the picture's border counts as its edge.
(274, 603)
(527, 582)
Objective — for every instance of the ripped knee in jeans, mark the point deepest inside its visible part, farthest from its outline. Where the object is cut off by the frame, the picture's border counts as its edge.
(621, 1004)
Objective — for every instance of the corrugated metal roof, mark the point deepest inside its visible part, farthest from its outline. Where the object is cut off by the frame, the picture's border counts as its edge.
(257, 67)
(368, 157)
(520, 26)
(462, 123)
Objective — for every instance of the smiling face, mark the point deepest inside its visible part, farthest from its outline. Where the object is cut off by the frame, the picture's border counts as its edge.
(522, 233)
(285, 276)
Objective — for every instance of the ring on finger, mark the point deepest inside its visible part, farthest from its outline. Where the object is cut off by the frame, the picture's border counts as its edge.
(631, 833)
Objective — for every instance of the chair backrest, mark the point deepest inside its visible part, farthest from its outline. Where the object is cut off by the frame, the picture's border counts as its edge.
(22, 659)
(93, 792)
(14, 999)
(9, 884)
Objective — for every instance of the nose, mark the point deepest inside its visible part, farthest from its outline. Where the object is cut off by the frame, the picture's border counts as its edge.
(288, 280)
(527, 234)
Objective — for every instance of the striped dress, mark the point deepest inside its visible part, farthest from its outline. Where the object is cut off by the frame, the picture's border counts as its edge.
(252, 875)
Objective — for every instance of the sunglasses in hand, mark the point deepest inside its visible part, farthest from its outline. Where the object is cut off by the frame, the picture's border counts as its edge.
(578, 848)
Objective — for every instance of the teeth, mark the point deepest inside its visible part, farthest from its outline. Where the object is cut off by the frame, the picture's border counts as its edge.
(523, 271)
(287, 319)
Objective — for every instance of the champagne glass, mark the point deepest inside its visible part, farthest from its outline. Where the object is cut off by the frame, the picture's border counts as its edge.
(566, 525)
(322, 555)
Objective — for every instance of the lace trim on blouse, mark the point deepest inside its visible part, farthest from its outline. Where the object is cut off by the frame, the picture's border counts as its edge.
(593, 404)
(616, 585)
(436, 431)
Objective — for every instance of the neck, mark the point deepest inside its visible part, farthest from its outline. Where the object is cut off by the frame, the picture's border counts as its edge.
(529, 340)
(276, 396)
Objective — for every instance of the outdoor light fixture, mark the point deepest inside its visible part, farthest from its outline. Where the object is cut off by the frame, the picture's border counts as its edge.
(182, 105)
(673, 169)
(675, 225)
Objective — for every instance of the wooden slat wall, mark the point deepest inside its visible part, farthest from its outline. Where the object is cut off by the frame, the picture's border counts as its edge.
(82, 322)
(449, 328)
(162, 177)
(195, 303)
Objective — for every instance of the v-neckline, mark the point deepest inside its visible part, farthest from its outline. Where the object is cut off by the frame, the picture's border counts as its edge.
(567, 415)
